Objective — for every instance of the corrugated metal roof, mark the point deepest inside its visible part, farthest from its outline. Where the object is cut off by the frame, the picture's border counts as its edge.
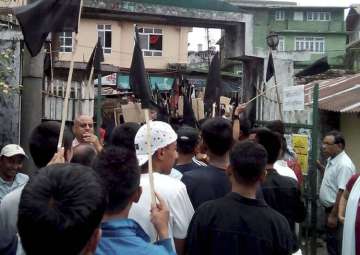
(215, 5)
(338, 95)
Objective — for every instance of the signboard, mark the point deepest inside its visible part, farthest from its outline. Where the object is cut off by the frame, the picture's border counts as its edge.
(293, 98)
(300, 144)
(109, 80)
(161, 82)
(133, 113)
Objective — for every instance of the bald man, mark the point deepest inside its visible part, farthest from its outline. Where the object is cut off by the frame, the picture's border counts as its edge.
(83, 130)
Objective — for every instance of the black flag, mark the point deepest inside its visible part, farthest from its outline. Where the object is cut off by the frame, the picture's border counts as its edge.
(188, 112)
(139, 83)
(97, 56)
(213, 89)
(40, 18)
(270, 68)
(319, 66)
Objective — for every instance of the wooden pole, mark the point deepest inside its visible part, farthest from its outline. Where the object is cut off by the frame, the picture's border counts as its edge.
(262, 93)
(51, 70)
(98, 106)
(277, 94)
(278, 99)
(213, 110)
(150, 168)
(68, 85)
(312, 176)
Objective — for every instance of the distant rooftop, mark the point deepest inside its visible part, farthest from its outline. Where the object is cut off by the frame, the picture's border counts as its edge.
(277, 4)
(260, 3)
(214, 5)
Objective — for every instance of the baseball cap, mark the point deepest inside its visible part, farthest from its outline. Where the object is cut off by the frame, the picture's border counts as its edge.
(187, 135)
(12, 150)
(162, 135)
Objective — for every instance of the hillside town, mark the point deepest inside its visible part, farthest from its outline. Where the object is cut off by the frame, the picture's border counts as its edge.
(179, 127)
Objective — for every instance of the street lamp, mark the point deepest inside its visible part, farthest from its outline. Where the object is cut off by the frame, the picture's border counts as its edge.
(272, 40)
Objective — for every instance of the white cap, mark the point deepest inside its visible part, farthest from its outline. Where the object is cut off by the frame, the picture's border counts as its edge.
(12, 150)
(162, 135)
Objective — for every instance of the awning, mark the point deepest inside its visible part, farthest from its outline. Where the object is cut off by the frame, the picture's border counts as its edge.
(337, 95)
(161, 82)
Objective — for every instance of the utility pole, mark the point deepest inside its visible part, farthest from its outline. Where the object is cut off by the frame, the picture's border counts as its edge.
(208, 46)
(31, 96)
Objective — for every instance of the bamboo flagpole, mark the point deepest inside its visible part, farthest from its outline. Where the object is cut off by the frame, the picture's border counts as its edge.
(150, 168)
(269, 73)
(262, 93)
(139, 84)
(68, 85)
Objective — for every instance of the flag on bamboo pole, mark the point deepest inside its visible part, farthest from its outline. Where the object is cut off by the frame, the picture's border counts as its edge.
(213, 89)
(97, 56)
(139, 83)
(270, 72)
(40, 18)
(188, 112)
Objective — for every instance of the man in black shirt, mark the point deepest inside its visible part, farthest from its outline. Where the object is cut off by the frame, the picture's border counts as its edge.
(210, 182)
(187, 148)
(239, 223)
(280, 192)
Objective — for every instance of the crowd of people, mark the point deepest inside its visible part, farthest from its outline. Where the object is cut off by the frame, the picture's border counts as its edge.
(222, 188)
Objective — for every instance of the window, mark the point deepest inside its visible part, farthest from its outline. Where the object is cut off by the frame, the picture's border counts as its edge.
(281, 45)
(279, 15)
(318, 16)
(151, 41)
(66, 41)
(298, 16)
(312, 44)
(104, 33)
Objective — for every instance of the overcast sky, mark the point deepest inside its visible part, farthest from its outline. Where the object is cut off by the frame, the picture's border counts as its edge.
(198, 36)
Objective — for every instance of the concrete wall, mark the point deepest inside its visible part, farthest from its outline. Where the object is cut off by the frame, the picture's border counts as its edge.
(175, 43)
(10, 103)
(350, 126)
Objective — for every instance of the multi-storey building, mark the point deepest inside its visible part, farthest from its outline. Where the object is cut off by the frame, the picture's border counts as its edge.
(316, 31)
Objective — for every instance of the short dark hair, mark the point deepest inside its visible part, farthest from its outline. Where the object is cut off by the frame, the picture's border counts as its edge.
(276, 126)
(120, 172)
(217, 135)
(44, 139)
(248, 161)
(63, 204)
(245, 126)
(84, 154)
(338, 137)
(124, 135)
(271, 142)
(188, 139)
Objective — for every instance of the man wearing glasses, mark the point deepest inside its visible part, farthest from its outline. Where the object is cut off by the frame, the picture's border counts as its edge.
(338, 170)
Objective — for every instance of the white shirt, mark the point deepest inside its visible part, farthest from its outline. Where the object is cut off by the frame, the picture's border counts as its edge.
(282, 168)
(337, 173)
(9, 208)
(175, 195)
(176, 174)
(6, 187)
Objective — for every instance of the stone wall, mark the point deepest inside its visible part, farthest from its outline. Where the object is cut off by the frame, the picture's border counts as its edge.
(10, 101)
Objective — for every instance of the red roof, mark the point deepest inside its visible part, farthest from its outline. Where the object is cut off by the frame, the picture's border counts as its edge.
(338, 95)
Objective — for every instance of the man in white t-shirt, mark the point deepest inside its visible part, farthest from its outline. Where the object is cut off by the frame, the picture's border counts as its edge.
(338, 171)
(173, 191)
(12, 157)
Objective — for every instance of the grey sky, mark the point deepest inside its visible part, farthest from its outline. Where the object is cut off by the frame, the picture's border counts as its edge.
(198, 36)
